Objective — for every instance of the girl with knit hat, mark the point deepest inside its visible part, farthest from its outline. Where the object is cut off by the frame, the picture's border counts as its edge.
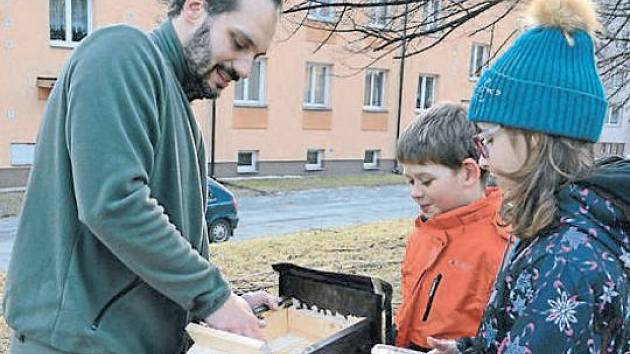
(564, 287)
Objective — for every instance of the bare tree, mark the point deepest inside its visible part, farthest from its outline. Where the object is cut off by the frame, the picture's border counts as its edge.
(378, 28)
(614, 49)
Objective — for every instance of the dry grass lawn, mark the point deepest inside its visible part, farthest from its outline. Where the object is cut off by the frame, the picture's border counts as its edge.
(373, 249)
(10, 203)
(258, 186)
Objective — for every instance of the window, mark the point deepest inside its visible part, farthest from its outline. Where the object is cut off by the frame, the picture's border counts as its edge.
(70, 21)
(251, 91)
(615, 115)
(378, 15)
(374, 96)
(314, 160)
(608, 149)
(430, 15)
(247, 162)
(426, 91)
(22, 154)
(479, 56)
(323, 13)
(317, 85)
(370, 161)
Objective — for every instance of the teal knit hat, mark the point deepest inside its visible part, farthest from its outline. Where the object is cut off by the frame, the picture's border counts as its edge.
(547, 81)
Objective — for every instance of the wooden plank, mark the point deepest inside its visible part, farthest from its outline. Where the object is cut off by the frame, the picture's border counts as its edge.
(197, 349)
(288, 331)
(311, 326)
(390, 349)
(277, 323)
(211, 341)
(282, 339)
(288, 344)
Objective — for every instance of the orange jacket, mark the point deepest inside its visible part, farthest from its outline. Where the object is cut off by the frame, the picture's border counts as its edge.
(448, 271)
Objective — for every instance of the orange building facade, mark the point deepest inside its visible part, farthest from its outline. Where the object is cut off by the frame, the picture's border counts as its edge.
(302, 111)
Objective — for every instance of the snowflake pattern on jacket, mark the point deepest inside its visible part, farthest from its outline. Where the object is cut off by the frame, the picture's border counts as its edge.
(566, 291)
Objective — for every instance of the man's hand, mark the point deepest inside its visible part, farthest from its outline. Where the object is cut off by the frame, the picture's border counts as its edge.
(261, 297)
(236, 316)
(442, 346)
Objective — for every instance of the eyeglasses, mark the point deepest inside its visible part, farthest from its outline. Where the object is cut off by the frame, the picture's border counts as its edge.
(480, 141)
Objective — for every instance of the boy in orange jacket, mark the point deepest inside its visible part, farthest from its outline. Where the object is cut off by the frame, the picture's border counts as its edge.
(454, 252)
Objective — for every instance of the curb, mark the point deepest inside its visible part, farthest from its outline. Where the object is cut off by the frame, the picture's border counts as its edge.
(12, 189)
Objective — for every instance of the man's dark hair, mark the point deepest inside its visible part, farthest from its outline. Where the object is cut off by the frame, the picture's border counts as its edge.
(214, 7)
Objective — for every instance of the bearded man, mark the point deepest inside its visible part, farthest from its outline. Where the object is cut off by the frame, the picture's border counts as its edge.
(111, 252)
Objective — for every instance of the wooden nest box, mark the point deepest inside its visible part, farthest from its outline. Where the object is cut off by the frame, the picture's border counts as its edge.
(332, 313)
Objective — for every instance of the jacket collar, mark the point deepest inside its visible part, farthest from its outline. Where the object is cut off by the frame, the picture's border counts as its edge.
(583, 209)
(165, 38)
(484, 208)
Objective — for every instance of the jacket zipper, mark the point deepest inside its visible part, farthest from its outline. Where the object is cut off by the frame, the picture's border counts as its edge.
(115, 298)
(432, 291)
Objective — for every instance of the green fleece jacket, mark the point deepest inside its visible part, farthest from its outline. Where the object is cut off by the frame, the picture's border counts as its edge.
(111, 248)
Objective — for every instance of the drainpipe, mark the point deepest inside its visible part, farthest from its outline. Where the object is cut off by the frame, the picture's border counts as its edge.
(401, 80)
(213, 116)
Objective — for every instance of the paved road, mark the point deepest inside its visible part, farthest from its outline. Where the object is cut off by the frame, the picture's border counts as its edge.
(7, 233)
(321, 209)
(293, 211)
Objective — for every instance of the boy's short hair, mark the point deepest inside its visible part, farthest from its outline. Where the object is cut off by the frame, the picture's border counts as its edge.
(440, 135)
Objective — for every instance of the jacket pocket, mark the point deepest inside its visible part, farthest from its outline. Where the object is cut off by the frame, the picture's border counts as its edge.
(124, 291)
(432, 291)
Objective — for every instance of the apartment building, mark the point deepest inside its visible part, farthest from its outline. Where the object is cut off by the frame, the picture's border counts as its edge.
(306, 108)
(36, 38)
(615, 139)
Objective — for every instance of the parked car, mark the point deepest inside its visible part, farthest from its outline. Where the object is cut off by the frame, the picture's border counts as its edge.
(221, 214)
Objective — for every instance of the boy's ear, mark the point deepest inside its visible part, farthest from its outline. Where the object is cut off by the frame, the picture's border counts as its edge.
(471, 172)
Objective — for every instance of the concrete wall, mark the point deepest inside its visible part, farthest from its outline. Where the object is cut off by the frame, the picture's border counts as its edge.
(296, 168)
(17, 177)
(13, 177)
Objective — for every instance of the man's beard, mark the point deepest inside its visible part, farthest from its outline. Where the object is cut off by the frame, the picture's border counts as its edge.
(198, 89)
(198, 55)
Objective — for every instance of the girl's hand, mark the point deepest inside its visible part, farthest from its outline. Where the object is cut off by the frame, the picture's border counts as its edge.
(442, 346)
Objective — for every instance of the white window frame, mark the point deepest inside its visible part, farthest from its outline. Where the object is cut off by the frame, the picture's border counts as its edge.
(262, 84)
(22, 154)
(621, 147)
(606, 149)
(309, 102)
(612, 108)
(372, 165)
(476, 73)
(253, 167)
(369, 75)
(69, 43)
(320, 160)
(316, 14)
(431, 11)
(378, 15)
(422, 86)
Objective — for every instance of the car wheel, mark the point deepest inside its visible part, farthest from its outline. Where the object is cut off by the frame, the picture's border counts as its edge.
(219, 231)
